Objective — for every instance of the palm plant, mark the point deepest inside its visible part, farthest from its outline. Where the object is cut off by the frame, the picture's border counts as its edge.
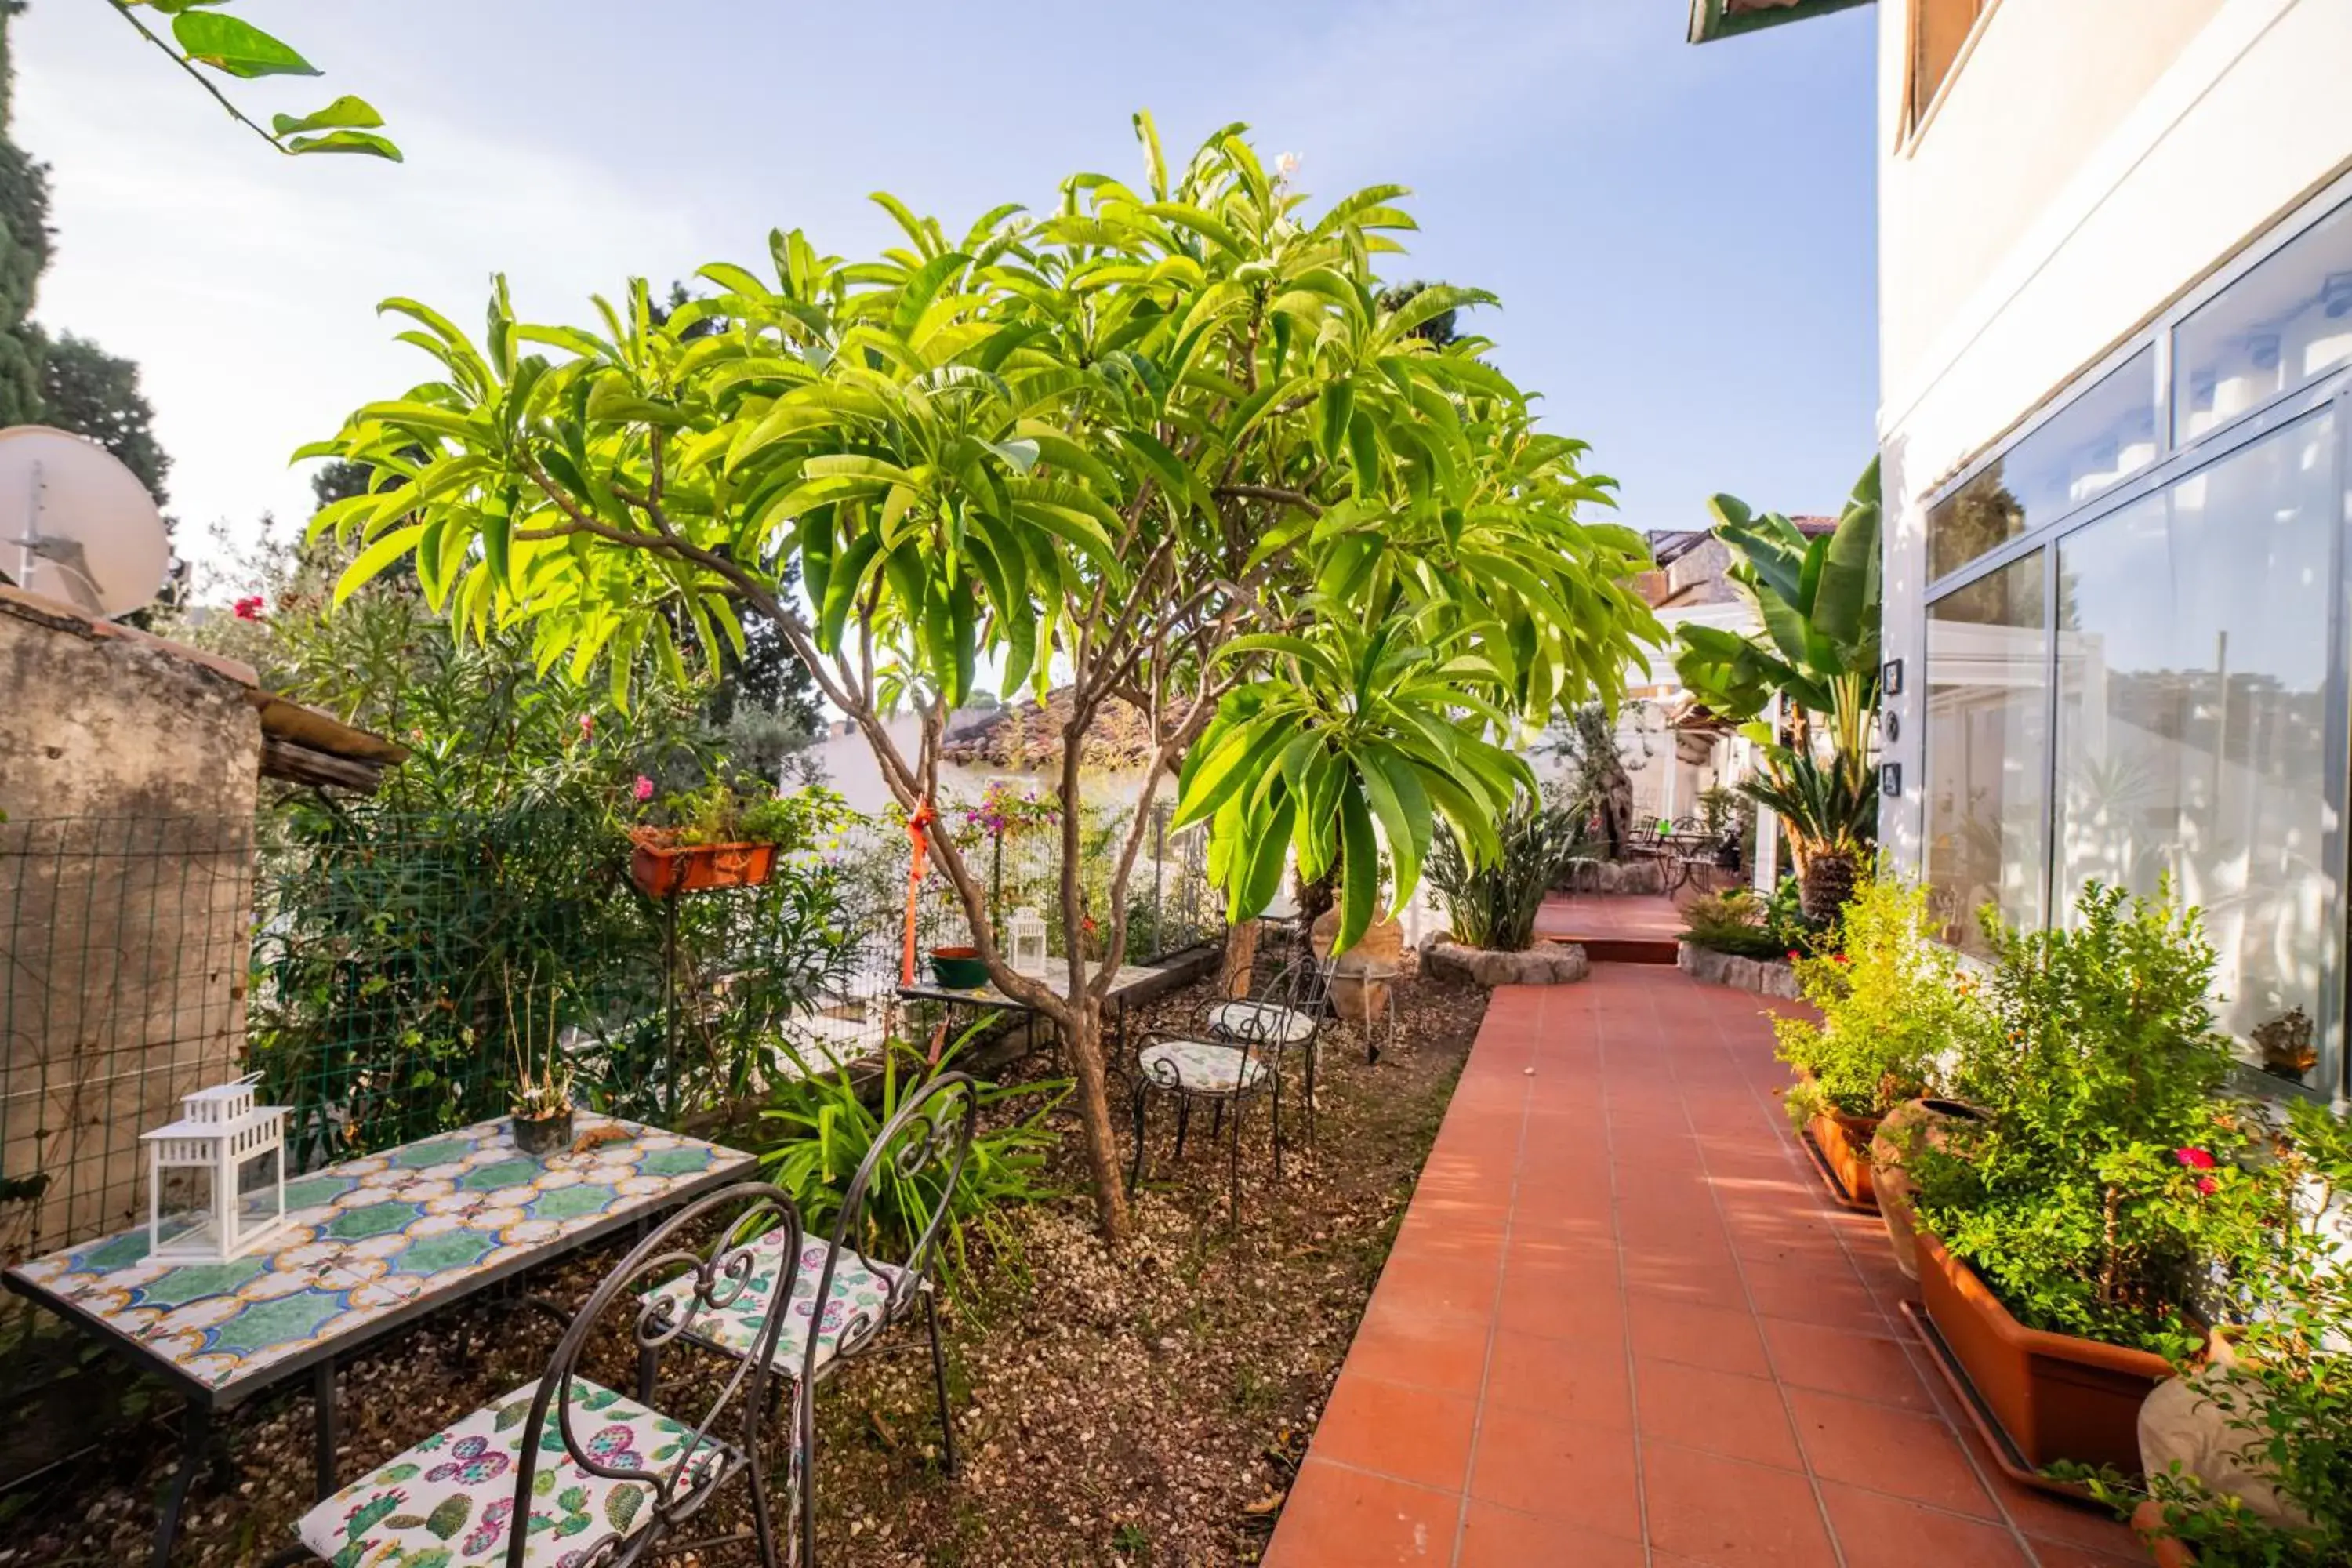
(1832, 814)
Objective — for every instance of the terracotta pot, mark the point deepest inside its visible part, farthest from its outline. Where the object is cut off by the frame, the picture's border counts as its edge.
(2147, 1523)
(1892, 1183)
(664, 868)
(2056, 1396)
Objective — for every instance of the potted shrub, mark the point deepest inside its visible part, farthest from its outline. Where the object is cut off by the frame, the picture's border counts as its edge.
(720, 836)
(2249, 1457)
(2068, 1244)
(1893, 1002)
(540, 1100)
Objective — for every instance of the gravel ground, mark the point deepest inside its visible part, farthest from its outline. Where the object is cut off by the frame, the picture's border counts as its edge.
(1143, 1408)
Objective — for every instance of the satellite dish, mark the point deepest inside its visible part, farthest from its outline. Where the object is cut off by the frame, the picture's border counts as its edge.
(75, 525)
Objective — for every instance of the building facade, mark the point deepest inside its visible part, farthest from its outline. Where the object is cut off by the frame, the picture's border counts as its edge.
(2115, 262)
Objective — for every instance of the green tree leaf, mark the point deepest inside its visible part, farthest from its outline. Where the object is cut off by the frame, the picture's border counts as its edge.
(236, 46)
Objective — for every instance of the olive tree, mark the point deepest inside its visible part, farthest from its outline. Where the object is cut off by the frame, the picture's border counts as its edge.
(1163, 446)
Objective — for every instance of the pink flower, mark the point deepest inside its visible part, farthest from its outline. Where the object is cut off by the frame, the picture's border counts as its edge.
(1794, 955)
(2195, 1159)
(247, 608)
(2208, 1185)
(587, 726)
(645, 788)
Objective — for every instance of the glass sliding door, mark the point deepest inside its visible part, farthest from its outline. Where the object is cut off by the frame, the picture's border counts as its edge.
(1986, 748)
(2194, 690)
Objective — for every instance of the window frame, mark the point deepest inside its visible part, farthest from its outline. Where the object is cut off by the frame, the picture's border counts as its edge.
(2174, 462)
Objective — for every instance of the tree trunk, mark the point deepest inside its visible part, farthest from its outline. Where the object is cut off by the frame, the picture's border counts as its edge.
(1084, 1044)
(1825, 884)
(1241, 957)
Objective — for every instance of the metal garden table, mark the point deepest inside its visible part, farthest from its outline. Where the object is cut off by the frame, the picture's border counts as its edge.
(369, 1245)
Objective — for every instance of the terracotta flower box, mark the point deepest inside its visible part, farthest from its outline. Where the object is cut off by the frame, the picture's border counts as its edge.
(2147, 1523)
(662, 866)
(2055, 1396)
(1843, 1142)
(1841, 1146)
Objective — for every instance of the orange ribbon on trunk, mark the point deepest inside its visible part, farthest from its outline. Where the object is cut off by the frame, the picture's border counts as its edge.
(919, 827)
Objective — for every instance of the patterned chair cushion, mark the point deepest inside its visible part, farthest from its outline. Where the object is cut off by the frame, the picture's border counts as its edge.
(449, 1502)
(861, 1291)
(1200, 1066)
(1263, 1022)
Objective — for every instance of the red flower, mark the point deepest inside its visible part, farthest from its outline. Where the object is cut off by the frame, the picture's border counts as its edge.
(1837, 958)
(1794, 955)
(2195, 1159)
(645, 788)
(247, 608)
(2208, 1185)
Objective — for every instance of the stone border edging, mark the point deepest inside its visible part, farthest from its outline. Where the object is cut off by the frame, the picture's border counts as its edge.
(1765, 976)
(1545, 964)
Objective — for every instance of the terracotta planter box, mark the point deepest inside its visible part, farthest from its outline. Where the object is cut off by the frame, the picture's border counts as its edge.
(2055, 1396)
(1843, 1142)
(2148, 1521)
(663, 868)
(1893, 1184)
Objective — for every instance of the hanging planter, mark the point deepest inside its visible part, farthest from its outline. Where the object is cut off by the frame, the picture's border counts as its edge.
(663, 868)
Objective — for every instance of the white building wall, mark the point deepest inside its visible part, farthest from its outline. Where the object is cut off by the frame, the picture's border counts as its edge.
(2170, 167)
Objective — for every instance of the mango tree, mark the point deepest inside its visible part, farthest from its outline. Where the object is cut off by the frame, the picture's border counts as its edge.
(1818, 599)
(1161, 444)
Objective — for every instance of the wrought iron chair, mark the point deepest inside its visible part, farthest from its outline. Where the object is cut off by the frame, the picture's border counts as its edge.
(1222, 1072)
(924, 1146)
(1282, 1015)
(606, 1479)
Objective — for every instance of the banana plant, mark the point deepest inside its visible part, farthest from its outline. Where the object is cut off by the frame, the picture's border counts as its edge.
(1819, 601)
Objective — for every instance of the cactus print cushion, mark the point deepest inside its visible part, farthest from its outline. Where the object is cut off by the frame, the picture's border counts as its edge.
(1262, 1021)
(448, 1502)
(861, 1293)
(1200, 1066)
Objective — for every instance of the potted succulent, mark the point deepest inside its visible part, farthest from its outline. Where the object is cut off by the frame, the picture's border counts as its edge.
(541, 1101)
(720, 836)
(1892, 1001)
(2070, 1244)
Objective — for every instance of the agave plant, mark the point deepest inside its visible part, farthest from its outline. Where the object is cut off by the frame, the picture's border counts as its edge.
(1493, 904)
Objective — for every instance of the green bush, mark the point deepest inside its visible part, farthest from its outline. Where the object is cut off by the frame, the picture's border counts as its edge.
(2289, 1392)
(1736, 922)
(1894, 1003)
(826, 1128)
(2107, 1193)
(1494, 906)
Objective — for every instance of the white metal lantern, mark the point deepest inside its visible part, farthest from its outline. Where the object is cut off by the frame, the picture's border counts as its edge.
(1026, 934)
(232, 1156)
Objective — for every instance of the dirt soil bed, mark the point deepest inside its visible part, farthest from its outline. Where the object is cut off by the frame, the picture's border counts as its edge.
(1143, 1408)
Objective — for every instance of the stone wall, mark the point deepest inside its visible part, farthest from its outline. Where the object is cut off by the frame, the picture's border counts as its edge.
(1765, 976)
(128, 770)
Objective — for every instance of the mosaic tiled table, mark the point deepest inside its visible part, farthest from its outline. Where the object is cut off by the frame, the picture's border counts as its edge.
(1132, 981)
(368, 1245)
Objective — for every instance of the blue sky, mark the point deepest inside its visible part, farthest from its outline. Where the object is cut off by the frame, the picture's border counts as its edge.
(1681, 237)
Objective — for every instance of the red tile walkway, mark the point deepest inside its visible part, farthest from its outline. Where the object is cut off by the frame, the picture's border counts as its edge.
(1622, 1327)
(1567, 916)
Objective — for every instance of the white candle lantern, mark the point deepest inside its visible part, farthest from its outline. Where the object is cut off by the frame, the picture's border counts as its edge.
(231, 1155)
(1026, 934)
